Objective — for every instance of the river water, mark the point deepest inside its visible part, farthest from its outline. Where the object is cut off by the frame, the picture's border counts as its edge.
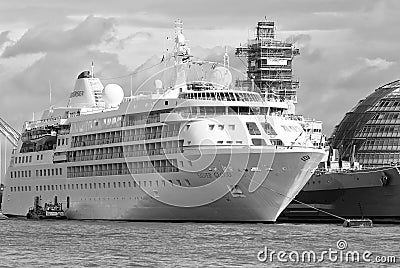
(70, 243)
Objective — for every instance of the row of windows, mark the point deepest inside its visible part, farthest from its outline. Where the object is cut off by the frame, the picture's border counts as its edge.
(20, 188)
(62, 141)
(380, 131)
(386, 108)
(38, 173)
(141, 167)
(221, 96)
(381, 144)
(96, 124)
(385, 121)
(378, 158)
(202, 111)
(386, 116)
(102, 185)
(48, 172)
(253, 129)
(146, 118)
(117, 121)
(380, 148)
(21, 174)
(144, 149)
(156, 132)
(315, 130)
(37, 147)
(23, 159)
(389, 103)
(26, 159)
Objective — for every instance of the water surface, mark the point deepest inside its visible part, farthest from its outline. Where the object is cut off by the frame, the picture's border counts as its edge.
(66, 243)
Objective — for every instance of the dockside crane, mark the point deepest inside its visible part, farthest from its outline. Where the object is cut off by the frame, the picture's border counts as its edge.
(10, 133)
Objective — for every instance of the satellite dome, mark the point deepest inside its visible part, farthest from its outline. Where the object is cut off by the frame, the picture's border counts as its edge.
(181, 38)
(113, 95)
(158, 83)
(221, 76)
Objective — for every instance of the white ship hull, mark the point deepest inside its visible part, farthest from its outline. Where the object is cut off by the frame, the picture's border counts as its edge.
(210, 149)
(285, 176)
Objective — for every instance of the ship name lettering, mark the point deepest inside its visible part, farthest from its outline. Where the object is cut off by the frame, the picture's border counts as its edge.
(76, 94)
(204, 175)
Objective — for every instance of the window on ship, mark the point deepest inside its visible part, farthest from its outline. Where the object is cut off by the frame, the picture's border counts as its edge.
(252, 128)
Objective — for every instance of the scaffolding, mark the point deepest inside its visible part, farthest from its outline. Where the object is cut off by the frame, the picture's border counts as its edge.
(269, 63)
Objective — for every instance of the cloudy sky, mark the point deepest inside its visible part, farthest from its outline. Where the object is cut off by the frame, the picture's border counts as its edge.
(348, 48)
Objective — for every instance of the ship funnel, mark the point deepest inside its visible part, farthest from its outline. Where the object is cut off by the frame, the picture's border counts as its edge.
(87, 92)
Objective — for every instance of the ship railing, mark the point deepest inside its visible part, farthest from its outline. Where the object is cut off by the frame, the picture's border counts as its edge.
(270, 42)
(130, 123)
(273, 66)
(53, 119)
(287, 77)
(124, 171)
(344, 170)
(150, 152)
(273, 54)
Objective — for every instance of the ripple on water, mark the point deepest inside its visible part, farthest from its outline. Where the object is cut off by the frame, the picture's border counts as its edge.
(118, 244)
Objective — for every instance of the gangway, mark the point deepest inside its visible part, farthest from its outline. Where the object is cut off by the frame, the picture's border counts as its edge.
(10, 133)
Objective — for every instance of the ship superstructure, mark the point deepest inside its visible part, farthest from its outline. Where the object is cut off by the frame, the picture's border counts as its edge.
(198, 150)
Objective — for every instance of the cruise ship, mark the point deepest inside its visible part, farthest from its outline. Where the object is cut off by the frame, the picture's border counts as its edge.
(361, 176)
(198, 150)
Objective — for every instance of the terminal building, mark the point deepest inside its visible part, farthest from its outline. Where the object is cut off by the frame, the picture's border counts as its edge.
(370, 132)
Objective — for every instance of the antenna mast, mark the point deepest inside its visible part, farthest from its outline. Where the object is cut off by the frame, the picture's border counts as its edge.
(131, 85)
(92, 70)
(50, 91)
(226, 58)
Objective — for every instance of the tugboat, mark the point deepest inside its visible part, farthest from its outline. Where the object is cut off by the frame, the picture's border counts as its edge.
(49, 211)
(2, 216)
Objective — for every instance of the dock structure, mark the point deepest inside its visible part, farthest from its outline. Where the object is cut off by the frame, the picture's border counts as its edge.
(270, 63)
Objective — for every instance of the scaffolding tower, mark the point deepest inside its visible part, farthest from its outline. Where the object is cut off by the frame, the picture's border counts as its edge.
(269, 63)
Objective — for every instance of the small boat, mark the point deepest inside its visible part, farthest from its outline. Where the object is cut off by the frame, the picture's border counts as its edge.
(357, 223)
(2, 216)
(49, 211)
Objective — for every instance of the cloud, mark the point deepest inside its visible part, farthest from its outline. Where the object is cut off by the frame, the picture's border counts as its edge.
(4, 38)
(45, 38)
(300, 39)
(304, 43)
(378, 63)
(138, 36)
(59, 62)
(361, 67)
